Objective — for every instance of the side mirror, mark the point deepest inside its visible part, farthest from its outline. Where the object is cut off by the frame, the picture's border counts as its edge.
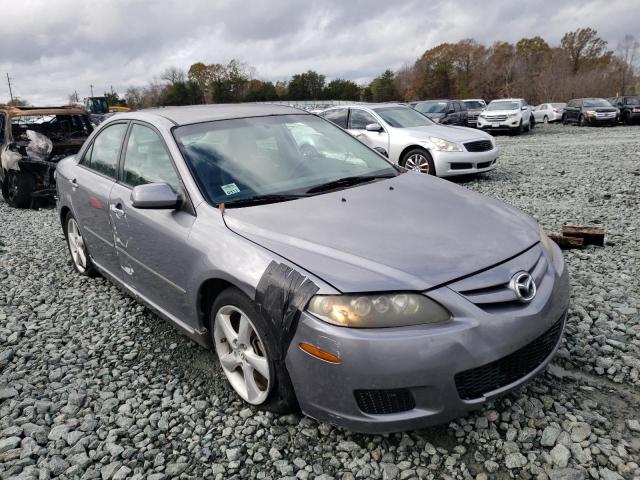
(155, 196)
(373, 127)
(524, 107)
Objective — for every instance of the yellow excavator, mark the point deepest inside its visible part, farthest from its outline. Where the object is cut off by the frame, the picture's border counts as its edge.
(98, 109)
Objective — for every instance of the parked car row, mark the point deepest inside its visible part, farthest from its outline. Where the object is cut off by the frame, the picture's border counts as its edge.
(516, 115)
(312, 264)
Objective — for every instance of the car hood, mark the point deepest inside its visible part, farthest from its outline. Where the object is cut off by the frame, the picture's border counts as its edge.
(501, 112)
(447, 132)
(601, 109)
(411, 232)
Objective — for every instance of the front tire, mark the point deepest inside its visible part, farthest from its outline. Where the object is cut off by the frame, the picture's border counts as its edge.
(245, 344)
(78, 248)
(419, 160)
(545, 120)
(564, 119)
(581, 121)
(17, 188)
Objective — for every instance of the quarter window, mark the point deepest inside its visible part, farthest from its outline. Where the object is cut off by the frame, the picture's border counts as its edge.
(360, 119)
(103, 155)
(147, 161)
(337, 116)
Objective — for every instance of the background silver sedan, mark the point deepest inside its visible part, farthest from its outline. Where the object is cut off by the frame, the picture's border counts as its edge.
(410, 139)
(287, 245)
(549, 112)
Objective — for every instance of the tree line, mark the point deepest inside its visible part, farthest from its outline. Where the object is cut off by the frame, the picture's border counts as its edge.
(582, 65)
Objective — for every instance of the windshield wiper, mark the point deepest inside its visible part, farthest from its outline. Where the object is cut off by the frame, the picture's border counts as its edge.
(346, 182)
(261, 200)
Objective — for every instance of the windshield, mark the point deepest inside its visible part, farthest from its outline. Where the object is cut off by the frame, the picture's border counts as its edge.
(558, 105)
(474, 104)
(632, 100)
(277, 155)
(403, 117)
(504, 105)
(596, 102)
(432, 107)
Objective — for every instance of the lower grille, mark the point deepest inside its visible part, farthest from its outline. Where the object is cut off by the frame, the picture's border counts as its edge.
(474, 383)
(382, 402)
(484, 164)
(479, 146)
(496, 118)
(461, 166)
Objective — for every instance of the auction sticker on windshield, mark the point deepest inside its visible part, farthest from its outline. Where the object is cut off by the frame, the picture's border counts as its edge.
(230, 189)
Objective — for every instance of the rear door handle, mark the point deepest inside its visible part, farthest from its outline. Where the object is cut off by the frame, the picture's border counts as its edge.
(117, 210)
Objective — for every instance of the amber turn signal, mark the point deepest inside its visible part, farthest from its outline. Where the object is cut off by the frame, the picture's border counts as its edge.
(321, 354)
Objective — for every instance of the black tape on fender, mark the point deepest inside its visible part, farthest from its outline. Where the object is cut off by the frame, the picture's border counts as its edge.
(281, 295)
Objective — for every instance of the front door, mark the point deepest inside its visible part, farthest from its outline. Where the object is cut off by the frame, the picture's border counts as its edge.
(358, 121)
(93, 179)
(152, 244)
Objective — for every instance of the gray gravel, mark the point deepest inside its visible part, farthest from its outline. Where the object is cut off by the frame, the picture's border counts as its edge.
(93, 385)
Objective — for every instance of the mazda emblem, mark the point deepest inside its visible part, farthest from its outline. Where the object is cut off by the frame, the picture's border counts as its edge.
(523, 286)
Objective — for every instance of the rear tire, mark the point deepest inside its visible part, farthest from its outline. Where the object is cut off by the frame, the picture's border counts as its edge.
(419, 160)
(78, 248)
(17, 188)
(255, 347)
(545, 120)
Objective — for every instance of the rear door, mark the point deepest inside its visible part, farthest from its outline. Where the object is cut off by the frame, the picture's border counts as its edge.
(152, 244)
(93, 179)
(358, 121)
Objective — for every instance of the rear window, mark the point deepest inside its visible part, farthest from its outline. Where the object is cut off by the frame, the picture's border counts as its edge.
(632, 100)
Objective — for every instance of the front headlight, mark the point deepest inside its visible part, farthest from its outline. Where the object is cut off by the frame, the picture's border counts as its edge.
(547, 243)
(377, 310)
(590, 112)
(445, 145)
(511, 115)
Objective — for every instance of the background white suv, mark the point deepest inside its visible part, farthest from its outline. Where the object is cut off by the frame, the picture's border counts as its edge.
(507, 114)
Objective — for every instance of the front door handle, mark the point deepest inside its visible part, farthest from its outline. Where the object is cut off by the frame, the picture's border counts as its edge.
(74, 183)
(117, 210)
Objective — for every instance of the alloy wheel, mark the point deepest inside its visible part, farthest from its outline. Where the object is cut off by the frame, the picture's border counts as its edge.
(242, 354)
(417, 162)
(76, 246)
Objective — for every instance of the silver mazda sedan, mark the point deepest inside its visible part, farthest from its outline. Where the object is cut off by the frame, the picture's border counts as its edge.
(287, 245)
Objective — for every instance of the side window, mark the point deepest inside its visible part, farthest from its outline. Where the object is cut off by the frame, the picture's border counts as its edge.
(86, 159)
(360, 119)
(106, 149)
(147, 161)
(462, 106)
(337, 116)
(2, 128)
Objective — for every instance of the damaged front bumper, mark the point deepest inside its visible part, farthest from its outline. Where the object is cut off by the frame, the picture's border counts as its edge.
(396, 379)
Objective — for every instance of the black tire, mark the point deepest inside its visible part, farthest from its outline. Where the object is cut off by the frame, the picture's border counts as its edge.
(564, 119)
(627, 118)
(431, 170)
(520, 129)
(545, 120)
(17, 188)
(89, 270)
(281, 398)
(581, 121)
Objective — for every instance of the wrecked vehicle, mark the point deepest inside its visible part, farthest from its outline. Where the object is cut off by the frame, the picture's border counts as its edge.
(32, 142)
(372, 297)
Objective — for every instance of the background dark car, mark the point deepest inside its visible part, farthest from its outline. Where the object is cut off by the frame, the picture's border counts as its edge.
(590, 111)
(629, 108)
(446, 112)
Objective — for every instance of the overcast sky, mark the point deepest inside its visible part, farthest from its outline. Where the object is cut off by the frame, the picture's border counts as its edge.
(52, 47)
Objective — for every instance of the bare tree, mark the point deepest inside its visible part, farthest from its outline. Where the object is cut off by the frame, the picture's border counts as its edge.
(628, 52)
(173, 75)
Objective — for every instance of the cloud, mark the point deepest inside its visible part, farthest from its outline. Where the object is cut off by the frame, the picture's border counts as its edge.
(51, 49)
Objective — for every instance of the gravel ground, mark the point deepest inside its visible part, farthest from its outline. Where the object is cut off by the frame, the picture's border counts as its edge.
(93, 385)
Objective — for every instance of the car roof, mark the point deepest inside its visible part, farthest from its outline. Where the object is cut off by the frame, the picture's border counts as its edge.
(507, 99)
(369, 105)
(26, 111)
(206, 113)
